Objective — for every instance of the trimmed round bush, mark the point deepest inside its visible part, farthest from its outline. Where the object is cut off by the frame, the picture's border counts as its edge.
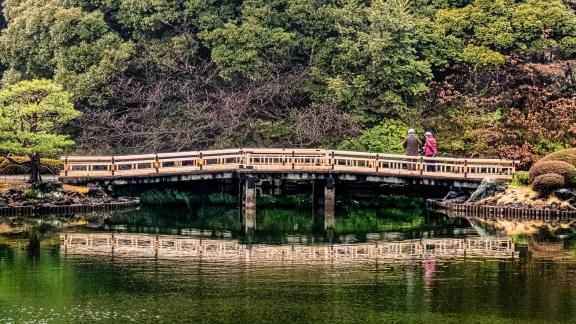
(564, 169)
(568, 156)
(546, 184)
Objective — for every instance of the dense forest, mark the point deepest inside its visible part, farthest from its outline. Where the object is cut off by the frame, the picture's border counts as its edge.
(488, 77)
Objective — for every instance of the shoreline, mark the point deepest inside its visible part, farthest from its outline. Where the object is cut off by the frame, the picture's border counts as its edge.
(68, 209)
(503, 212)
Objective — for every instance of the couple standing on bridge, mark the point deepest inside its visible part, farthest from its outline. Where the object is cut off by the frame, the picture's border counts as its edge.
(412, 144)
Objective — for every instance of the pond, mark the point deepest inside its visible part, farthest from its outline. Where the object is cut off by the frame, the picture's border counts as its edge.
(379, 263)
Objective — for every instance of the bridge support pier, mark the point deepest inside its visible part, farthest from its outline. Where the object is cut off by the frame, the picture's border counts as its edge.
(329, 203)
(277, 183)
(249, 210)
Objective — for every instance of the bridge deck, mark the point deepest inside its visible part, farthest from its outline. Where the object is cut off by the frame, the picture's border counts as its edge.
(283, 161)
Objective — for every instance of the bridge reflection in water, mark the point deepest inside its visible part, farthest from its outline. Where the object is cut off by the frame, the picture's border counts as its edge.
(168, 247)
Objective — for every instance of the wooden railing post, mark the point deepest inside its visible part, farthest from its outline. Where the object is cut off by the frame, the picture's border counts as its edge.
(156, 163)
(200, 161)
(333, 162)
(113, 166)
(242, 160)
(66, 166)
(465, 169)
(421, 165)
(377, 162)
(248, 164)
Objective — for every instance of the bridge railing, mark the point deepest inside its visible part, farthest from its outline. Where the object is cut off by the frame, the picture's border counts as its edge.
(285, 160)
(167, 246)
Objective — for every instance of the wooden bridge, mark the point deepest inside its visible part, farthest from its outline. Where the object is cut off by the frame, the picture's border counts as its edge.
(169, 246)
(296, 164)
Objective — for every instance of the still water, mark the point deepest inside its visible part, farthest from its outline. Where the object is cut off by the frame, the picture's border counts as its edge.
(380, 263)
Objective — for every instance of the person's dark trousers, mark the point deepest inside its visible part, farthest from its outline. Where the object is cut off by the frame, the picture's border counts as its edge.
(412, 166)
(430, 168)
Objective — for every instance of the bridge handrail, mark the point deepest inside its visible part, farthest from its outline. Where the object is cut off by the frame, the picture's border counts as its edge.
(185, 246)
(280, 160)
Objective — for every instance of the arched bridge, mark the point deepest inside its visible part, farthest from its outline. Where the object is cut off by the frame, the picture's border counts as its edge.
(291, 164)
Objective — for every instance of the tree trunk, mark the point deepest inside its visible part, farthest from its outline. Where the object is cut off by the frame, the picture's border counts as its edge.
(35, 168)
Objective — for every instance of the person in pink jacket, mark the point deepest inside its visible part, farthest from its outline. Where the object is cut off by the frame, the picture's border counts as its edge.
(430, 149)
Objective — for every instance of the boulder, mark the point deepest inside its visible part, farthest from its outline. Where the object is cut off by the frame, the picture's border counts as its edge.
(96, 191)
(489, 187)
(565, 194)
(456, 197)
(48, 186)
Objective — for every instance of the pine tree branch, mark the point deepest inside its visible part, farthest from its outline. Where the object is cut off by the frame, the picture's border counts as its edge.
(11, 160)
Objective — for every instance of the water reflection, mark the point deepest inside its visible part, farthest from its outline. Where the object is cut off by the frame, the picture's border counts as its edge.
(377, 264)
(165, 246)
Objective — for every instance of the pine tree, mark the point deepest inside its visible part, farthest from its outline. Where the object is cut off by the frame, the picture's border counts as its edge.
(32, 116)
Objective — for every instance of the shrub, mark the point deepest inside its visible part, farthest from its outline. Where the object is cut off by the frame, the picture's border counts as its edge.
(559, 167)
(387, 137)
(568, 156)
(32, 193)
(545, 184)
(520, 178)
(47, 166)
(166, 197)
(222, 198)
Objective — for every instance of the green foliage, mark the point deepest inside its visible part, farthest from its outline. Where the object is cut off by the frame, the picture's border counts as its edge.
(247, 45)
(485, 27)
(403, 202)
(175, 197)
(165, 198)
(367, 220)
(386, 137)
(462, 132)
(297, 200)
(32, 193)
(546, 184)
(481, 57)
(521, 178)
(222, 198)
(243, 72)
(46, 39)
(521, 239)
(568, 156)
(373, 66)
(567, 171)
(32, 116)
(285, 220)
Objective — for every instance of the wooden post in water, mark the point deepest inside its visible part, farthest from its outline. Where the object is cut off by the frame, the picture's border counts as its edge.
(249, 210)
(329, 203)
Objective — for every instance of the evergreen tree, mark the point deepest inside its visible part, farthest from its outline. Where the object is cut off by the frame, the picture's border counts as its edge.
(32, 116)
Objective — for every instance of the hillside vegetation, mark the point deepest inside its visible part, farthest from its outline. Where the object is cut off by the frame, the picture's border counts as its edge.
(489, 77)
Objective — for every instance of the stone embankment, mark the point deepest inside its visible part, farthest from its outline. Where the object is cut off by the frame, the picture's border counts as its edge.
(501, 212)
(52, 198)
(496, 199)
